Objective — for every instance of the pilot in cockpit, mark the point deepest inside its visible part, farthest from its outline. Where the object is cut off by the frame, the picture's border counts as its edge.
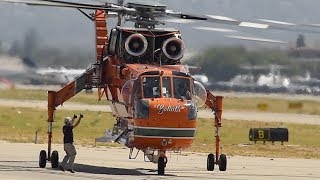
(156, 91)
(182, 92)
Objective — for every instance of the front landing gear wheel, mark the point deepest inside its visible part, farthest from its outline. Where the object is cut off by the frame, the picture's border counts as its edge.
(223, 162)
(210, 162)
(55, 159)
(42, 159)
(161, 165)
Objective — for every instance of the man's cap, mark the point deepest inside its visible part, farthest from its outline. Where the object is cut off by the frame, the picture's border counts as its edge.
(67, 119)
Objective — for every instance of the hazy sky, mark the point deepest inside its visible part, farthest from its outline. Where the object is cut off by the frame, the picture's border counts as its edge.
(67, 28)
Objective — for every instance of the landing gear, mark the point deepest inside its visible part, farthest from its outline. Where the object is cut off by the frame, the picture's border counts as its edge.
(55, 159)
(162, 161)
(210, 162)
(223, 162)
(42, 159)
(215, 103)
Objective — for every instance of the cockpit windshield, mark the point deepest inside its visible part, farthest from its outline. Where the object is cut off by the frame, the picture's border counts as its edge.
(151, 87)
(181, 88)
(156, 87)
(166, 87)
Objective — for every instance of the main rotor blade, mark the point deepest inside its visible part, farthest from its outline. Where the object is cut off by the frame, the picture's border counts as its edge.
(270, 24)
(248, 38)
(216, 19)
(277, 22)
(56, 3)
(215, 29)
(289, 23)
(309, 28)
(180, 21)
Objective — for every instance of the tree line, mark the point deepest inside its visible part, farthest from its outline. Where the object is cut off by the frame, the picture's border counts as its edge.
(223, 63)
(47, 56)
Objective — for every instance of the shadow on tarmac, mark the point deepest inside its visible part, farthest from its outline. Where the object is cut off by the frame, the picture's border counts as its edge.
(105, 170)
(32, 166)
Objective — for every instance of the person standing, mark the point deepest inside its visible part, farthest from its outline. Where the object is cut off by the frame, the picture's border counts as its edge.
(68, 160)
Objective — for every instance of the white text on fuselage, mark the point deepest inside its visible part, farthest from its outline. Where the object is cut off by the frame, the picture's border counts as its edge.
(161, 108)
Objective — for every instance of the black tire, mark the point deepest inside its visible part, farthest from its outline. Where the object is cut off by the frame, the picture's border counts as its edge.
(161, 165)
(42, 159)
(223, 162)
(210, 162)
(55, 159)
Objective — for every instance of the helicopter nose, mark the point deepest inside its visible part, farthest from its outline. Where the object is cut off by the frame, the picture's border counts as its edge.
(172, 112)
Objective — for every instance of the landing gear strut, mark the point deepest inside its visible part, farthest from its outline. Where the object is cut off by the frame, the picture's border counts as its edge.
(215, 103)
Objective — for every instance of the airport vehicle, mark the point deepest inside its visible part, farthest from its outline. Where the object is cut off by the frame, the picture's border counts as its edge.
(152, 95)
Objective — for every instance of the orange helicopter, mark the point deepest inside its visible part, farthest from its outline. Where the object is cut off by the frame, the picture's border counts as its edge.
(139, 70)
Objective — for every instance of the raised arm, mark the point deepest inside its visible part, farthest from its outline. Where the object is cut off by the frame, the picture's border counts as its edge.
(78, 122)
(74, 118)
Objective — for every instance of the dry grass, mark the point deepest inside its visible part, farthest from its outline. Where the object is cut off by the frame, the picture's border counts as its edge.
(229, 103)
(303, 139)
(82, 97)
(20, 125)
(273, 105)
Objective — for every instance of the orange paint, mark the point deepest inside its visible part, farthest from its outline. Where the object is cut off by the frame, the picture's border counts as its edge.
(156, 143)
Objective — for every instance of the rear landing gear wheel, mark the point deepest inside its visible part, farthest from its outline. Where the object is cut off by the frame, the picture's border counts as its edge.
(42, 159)
(161, 165)
(55, 159)
(223, 162)
(210, 162)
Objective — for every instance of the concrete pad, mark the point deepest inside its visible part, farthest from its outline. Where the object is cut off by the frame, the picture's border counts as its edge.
(20, 161)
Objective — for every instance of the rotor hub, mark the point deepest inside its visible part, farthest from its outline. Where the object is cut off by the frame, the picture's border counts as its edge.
(146, 14)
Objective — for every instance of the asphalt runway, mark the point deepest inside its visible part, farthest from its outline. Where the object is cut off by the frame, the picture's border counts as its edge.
(20, 161)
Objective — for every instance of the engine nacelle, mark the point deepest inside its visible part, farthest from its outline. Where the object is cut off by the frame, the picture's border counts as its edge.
(136, 44)
(173, 48)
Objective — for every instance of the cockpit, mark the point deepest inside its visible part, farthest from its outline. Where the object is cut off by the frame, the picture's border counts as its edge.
(166, 87)
(147, 87)
(153, 85)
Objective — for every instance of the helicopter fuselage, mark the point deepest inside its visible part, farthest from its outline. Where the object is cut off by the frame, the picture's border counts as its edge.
(156, 108)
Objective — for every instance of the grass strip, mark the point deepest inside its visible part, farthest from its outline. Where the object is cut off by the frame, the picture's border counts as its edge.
(20, 125)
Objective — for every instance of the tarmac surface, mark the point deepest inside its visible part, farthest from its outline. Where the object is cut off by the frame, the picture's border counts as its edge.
(20, 161)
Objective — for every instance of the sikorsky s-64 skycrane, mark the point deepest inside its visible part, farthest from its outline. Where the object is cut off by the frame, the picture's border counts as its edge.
(138, 69)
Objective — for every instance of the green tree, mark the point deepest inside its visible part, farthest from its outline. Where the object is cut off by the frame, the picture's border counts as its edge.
(223, 63)
(300, 41)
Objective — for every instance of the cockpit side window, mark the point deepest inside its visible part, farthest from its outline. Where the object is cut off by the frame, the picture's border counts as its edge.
(137, 90)
(166, 87)
(151, 87)
(181, 88)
